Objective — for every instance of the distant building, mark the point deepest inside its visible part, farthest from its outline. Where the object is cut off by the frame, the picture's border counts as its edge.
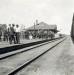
(41, 30)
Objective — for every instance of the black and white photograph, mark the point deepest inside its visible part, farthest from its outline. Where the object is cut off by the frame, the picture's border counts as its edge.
(36, 37)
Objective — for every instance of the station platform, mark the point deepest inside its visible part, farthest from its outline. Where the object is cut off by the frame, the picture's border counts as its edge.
(22, 41)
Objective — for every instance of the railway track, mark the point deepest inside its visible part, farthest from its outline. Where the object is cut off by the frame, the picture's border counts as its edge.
(21, 46)
(12, 53)
(33, 58)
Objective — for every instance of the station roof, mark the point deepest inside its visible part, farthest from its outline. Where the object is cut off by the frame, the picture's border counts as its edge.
(43, 25)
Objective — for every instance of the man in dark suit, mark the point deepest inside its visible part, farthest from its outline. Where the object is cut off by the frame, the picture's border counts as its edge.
(11, 32)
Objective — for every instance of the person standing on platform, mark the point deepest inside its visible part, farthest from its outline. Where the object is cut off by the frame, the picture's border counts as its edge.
(17, 30)
(11, 32)
(14, 33)
(6, 35)
(9, 29)
(0, 35)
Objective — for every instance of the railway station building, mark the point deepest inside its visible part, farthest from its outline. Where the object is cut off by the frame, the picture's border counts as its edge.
(41, 30)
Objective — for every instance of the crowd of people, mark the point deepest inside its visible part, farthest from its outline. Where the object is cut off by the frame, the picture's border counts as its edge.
(11, 34)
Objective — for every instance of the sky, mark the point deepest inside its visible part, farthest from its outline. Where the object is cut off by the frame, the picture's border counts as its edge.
(25, 12)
